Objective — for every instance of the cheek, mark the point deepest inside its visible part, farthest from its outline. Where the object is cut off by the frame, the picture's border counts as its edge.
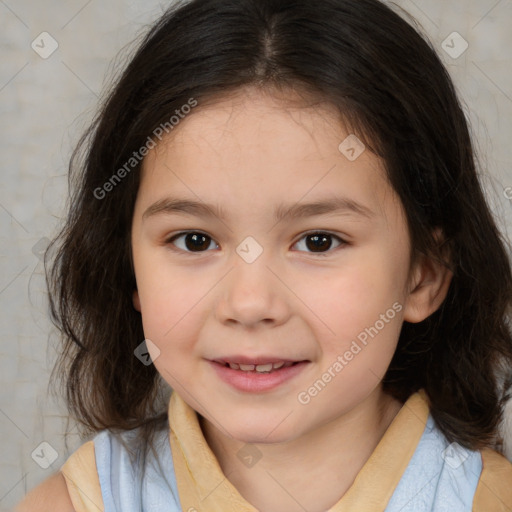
(169, 303)
(353, 297)
(170, 320)
(360, 308)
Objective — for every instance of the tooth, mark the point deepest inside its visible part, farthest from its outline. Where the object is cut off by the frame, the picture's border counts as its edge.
(277, 365)
(247, 367)
(287, 364)
(234, 366)
(264, 367)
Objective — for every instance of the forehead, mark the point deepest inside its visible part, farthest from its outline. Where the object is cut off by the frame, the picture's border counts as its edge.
(254, 147)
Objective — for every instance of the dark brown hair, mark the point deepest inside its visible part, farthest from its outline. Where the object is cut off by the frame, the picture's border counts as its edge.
(391, 87)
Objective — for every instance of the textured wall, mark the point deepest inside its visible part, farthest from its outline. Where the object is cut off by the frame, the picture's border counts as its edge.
(46, 101)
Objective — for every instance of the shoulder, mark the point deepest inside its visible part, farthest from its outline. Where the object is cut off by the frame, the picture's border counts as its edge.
(81, 476)
(50, 496)
(75, 488)
(494, 491)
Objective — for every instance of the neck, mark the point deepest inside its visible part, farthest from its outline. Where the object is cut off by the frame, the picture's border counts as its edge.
(330, 456)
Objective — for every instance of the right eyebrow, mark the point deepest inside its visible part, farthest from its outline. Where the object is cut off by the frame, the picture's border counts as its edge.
(171, 206)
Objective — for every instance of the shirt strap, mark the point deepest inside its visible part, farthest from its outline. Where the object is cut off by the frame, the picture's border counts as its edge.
(82, 479)
(494, 491)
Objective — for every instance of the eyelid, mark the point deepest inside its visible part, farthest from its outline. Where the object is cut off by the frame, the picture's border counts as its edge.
(170, 239)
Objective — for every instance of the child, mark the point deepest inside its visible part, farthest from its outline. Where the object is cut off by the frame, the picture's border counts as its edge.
(280, 198)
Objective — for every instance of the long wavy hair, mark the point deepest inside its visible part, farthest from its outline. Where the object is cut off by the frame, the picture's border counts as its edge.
(393, 91)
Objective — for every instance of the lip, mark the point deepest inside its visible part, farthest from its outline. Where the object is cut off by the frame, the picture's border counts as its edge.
(254, 382)
(253, 360)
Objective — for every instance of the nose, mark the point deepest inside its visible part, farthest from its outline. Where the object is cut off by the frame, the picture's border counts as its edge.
(252, 294)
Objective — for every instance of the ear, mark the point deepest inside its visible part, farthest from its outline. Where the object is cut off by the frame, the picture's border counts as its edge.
(428, 286)
(136, 300)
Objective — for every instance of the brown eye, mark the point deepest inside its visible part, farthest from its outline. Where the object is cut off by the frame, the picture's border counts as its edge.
(193, 241)
(319, 242)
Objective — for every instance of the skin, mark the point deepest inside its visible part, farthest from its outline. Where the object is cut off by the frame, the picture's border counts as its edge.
(249, 153)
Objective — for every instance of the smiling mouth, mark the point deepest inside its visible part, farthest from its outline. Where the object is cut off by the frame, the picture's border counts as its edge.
(258, 368)
(257, 374)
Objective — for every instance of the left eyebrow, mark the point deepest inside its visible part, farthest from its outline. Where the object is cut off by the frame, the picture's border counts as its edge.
(333, 205)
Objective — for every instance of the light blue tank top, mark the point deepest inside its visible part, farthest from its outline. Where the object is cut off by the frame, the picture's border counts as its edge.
(439, 478)
(128, 486)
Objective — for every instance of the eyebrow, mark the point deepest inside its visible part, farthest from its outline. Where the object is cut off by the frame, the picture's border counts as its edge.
(332, 205)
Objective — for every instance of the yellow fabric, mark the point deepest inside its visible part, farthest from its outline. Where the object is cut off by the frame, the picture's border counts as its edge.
(203, 487)
(82, 479)
(494, 490)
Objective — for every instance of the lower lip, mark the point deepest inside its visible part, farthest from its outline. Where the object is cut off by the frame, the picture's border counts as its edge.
(254, 382)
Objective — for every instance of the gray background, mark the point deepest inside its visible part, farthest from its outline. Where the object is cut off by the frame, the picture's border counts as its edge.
(45, 104)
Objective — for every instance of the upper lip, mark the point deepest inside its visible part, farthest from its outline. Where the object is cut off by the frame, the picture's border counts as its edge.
(241, 359)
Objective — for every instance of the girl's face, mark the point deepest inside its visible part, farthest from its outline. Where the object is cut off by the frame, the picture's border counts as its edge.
(251, 283)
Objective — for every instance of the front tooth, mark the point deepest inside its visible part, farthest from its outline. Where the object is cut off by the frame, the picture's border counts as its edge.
(264, 367)
(234, 366)
(277, 365)
(246, 367)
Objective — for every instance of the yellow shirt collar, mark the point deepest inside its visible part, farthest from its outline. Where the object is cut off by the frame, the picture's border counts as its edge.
(203, 487)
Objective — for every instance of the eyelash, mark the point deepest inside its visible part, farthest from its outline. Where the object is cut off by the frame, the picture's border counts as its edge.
(171, 240)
